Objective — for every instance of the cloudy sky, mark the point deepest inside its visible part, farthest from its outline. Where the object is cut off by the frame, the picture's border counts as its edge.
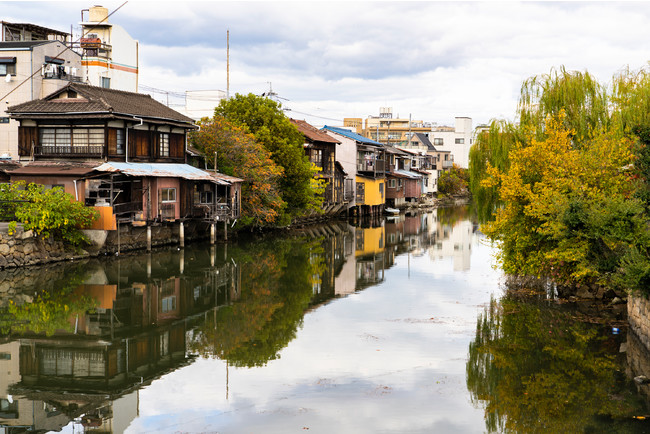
(330, 60)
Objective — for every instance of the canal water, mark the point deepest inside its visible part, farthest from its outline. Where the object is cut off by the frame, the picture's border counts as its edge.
(397, 326)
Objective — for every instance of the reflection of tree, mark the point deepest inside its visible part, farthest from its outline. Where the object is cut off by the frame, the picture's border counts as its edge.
(51, 308)
(537, 369)
(276, 289)
(453, 214)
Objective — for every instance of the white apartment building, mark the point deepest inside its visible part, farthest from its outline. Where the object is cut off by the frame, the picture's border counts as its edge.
(109, 53)
(457, 140)
(31, 70)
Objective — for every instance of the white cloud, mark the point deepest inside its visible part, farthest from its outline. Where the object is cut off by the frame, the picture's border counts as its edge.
(435, 60)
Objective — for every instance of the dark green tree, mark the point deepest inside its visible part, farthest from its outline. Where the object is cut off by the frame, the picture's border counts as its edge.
(265, 120)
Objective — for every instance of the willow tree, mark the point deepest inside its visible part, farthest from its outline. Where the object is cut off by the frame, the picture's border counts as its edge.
(582, 99)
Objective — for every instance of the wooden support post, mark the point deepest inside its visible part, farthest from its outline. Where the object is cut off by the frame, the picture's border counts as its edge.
(225, 230)
(181, 234)
(148, 238)
(213, 233)
(181, 261)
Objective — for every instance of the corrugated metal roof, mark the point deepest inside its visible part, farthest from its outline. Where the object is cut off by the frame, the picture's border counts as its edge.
(350, 135)
(405, 174)
(166, 170)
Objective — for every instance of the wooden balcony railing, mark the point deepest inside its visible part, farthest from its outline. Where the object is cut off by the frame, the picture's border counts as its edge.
(371, 165)
(69, 151)
(127, 207)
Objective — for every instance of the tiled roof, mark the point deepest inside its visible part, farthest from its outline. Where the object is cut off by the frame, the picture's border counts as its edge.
(425, 141)
(14, 45)
(350, 135)
(312, 133)
(98, 101)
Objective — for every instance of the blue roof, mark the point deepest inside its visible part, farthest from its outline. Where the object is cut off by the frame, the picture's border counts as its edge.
(350, 135)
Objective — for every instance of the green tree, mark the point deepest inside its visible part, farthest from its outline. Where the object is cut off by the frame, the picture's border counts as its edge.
(48, 212)
(240, 155)
(264, 119)
(567, 212)
(453, 181)
(538, 368)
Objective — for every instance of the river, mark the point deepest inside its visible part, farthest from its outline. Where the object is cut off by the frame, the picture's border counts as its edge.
(398, 326)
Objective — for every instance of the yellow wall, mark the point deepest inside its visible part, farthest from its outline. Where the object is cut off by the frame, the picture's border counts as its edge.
(373, 196)
(369, 241)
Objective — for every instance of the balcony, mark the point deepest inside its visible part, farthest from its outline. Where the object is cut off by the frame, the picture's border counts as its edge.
(371, 165)
(69, 151)
(214, 212)
(127, 207)
(447, 164)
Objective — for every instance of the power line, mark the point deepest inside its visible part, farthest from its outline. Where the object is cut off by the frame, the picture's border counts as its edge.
(64, 50)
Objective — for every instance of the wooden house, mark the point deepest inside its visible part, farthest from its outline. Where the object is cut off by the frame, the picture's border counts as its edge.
(121, 152)
(320, 148)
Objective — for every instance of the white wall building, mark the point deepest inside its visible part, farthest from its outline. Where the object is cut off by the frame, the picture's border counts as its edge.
(31, 70)
(110, 54)
(457, 140)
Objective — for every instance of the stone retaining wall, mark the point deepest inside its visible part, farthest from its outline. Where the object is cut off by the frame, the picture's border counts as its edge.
(638, 315)
(24, 248)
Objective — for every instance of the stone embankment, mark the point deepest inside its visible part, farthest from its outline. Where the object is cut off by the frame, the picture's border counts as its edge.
(23, 248)
(638, 315)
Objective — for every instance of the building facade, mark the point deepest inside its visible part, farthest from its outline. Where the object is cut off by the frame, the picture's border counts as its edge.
(31, 70)
(109, 53)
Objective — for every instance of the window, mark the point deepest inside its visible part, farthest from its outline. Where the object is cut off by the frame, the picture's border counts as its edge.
(59, 137)
(164, 144)
(460, 141)
(381, 190)
(205, 197)
(168, 195)
(7, 65)
(106, 82)
(316, 157)
(391, 183)
(4, 120)
(438, 141)
(87, 137)
(120, 142)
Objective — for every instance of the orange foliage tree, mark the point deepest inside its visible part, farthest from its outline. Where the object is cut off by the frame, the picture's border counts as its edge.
(238, 154)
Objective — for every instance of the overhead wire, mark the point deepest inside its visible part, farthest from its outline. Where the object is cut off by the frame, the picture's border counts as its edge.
(64, 50)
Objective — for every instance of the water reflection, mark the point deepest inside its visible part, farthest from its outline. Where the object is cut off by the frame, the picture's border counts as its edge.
(79, 340)
(543, 367)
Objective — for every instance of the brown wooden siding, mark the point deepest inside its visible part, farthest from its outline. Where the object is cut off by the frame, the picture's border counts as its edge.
(26, 136)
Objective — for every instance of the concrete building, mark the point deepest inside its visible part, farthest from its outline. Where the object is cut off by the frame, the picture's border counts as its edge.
(456, 139)
(31, 70)
(109, 53)
(386, 129)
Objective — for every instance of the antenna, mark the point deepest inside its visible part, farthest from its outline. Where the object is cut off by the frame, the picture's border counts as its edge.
(272, 95)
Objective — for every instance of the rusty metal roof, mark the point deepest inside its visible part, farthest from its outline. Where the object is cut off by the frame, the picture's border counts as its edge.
(164, 170)
(61, 169)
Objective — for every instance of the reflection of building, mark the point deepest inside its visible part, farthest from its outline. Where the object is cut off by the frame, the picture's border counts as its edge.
(454, 241)
(369, 253)
(137, 333)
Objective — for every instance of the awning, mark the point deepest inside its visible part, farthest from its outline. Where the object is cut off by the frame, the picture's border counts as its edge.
(7, 60)
(54, 60)
(159, 170)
